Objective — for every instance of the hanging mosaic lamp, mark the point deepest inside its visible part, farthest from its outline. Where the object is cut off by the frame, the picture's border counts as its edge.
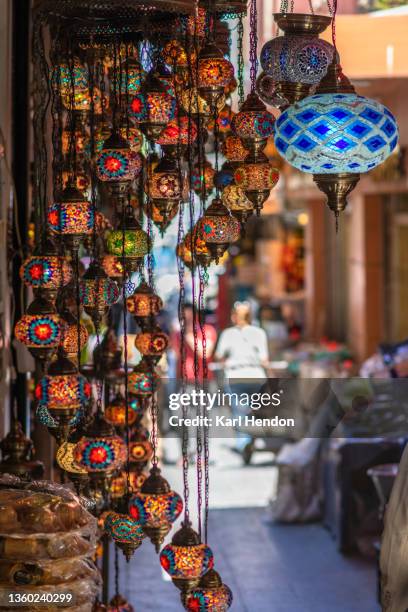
(115, 165)
(128, 242)
(336, 135)
(156, 507)
(211, 595)
(72, 217)
(160, 107)
(118, 603)
(74, 337)
(115, 411)
(233, 149)
(65, 76)
(186, 560)
(152, 343)
(178, 134)
(131, 76)
(140, 447)
(218, 228)
(119, 484)
(142, 381)
(299, 59)
(66, 461)
(45, 271)
(202, 177)
(256, 176)
(234, 198)
(194, 104)
(97, 292)
(253, 124)
(124, 531)
(40, 329)
(100, 452)
(63, 391)
(214, 73)
(134, 137)
(165, 185)
(162, 223)
(180, 60)
(144, 304)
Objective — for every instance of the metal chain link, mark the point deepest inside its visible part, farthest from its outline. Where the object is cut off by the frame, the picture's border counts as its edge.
(253, 43)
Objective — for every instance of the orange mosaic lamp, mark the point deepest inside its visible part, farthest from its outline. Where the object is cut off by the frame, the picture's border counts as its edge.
(144, 304)
(218, 229)
(152, 343)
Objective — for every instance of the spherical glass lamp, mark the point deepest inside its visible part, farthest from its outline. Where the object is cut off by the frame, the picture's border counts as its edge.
(100, 450)
(299, 59)
(214, 73)
(115, 165)
(211, 595)
(165, 185)
(218, 228)
(144, 304)
(156, 507)
(152, 343)
(72, 217)
(97, 292)
(256, 176)
(115, 411)
(124, 531)
(186, 560)
(253, 124)
(159, 108)
(63, 391)
(234, 198)
(142, 381)
(45, 271)
(177, 135)
(129, 242)
(74, 337)
(336, 135)
(40, 329)
(202, 178)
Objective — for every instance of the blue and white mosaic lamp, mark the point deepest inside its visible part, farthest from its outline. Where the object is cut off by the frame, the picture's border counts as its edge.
(336, 135)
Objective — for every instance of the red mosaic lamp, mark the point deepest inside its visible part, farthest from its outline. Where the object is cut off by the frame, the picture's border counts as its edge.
(46, 271)
(152, 343)
(97, 292)
(156, 507)
(218, 229)
(253, 124)
(186, 560)
(160, 107)
(144, 304)
(40, 330)
(115, 165)
(211, 595)
(256, 176)
(72, 218)
(177, 135)
(165, 186)
(214, 73)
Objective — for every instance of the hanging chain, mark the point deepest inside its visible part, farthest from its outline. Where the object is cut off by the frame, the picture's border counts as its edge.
(253, 43)
(240, 32)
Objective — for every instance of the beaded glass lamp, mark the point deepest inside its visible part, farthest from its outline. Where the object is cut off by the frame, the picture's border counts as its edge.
(165, 185)
(218, 228)
(97, 292)
(152, 343)
(124, 531)
(129, 242)
(40, 329)
(72, 217)
(45, 271)
(214, 73)
(186, 559)
(156, 507)
(144, 304)
(336, 135)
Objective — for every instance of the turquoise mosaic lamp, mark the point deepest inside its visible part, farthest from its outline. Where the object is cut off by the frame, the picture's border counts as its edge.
(336, 135)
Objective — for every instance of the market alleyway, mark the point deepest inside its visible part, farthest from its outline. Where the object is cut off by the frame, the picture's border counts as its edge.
(269, 567)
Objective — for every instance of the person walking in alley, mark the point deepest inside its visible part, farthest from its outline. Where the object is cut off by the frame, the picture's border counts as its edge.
(243, 351)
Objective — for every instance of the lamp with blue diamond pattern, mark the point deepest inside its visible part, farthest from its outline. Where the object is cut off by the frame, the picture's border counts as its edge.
(336, 135)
